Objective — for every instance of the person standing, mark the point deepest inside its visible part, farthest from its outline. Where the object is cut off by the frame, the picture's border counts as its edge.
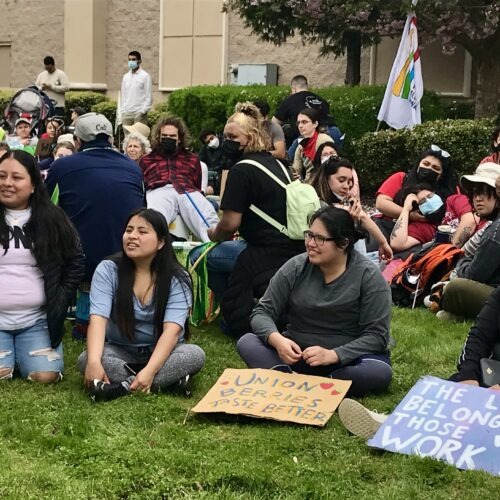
(136, 92)
(54, 82)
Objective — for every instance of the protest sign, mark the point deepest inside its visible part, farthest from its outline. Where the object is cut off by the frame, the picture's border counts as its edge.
(457, 423)
(290, 397)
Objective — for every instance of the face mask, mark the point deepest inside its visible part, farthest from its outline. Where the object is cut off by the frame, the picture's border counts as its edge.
(132, 65)
(427, 175)
(231, 149)
(214, 143)
(324, 159)
(340, 198)
(431, 205)
(168, 146)
(496, 149)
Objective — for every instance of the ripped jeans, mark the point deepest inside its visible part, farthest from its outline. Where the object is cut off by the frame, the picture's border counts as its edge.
(29, 348)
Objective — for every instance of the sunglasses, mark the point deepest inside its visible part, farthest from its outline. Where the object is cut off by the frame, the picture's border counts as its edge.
(442, 152)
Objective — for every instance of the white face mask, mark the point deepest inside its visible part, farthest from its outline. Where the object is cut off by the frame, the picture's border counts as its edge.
(324, 159)
(214, 143)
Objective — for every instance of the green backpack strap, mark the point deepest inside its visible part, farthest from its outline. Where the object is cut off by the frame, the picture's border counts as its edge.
(256, 210)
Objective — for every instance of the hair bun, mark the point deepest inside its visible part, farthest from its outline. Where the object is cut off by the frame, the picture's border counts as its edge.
(249, 109)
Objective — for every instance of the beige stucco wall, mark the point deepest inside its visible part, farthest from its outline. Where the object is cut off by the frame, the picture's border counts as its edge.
(292, 58)
(35, 29)
(132, 25)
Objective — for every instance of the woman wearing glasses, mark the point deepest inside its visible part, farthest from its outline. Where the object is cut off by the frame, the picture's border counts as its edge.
(432, 170)
(334, 183)
(338, 307)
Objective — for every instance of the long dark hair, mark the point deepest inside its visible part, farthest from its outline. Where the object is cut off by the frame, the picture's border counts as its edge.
(319, 152)
(445, 186)
(164, 267)
(320, 180)
(52, 236)
(340, 226)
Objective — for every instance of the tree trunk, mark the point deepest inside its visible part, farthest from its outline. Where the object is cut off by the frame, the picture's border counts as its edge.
(488, 83)
(353, 69)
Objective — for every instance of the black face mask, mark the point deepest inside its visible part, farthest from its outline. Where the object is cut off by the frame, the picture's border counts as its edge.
(168, 146)
(496, 149)
(427, 175)
(231, 149)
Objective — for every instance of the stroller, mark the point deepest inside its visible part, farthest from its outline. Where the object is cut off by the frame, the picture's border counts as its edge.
(30, 103)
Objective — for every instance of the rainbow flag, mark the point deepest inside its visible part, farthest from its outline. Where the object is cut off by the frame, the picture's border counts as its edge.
(401, 105)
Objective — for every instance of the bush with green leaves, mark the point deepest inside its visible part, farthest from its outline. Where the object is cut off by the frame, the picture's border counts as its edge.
(106, 108)
(5, 97)
(354, 108)
(84, 99)
(376, 155)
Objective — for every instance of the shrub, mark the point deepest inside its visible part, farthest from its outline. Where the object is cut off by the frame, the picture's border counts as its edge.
(84, 99)
(5, 97)
(354, 108)
(156, 112)
(107, 108)
(379, 154)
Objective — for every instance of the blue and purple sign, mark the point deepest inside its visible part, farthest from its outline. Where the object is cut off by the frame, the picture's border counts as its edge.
(457, 423)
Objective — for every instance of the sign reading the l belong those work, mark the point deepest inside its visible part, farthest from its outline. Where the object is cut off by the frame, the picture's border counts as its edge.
(457, 423)
(290, 397)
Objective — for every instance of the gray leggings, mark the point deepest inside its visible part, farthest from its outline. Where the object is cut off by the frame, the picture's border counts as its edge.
(185, 359)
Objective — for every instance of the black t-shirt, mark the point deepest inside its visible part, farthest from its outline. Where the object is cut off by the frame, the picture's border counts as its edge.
(295, 103)
(246, 185)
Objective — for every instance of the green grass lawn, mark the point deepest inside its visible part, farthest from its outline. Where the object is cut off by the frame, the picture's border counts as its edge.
(55, 443)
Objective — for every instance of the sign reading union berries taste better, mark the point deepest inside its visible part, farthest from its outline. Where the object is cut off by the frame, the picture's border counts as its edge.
(290, 397)
(457, 423)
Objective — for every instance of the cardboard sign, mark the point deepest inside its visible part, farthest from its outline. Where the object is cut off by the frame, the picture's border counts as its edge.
(289, 397)
(457, 423)
(44, 147)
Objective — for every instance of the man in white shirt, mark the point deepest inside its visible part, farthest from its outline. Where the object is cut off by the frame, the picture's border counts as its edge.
(54, 83)
(136, 92)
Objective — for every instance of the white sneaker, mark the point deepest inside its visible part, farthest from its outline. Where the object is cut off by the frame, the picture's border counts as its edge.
(448, 316)
(358, 420)
(427, 301)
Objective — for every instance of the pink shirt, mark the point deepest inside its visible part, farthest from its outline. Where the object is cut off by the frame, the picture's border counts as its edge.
(22, 292)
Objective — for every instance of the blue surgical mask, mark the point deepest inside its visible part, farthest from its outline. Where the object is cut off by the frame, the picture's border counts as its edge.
(431, 204)
(133, 64)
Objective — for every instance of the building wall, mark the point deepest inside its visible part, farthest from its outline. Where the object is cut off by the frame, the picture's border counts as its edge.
(34, 29)
(132, 25)
(292, 58)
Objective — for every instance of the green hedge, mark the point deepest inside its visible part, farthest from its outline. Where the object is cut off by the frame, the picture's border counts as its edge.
(355, 108)
(107, 108)
(376, 155)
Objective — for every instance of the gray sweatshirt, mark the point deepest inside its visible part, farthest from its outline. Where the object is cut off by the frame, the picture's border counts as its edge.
(352, 314)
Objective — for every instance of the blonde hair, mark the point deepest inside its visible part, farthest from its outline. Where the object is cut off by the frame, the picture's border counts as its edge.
(248, 117)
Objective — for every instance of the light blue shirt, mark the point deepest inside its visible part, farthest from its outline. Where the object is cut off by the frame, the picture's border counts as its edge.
(102, 295)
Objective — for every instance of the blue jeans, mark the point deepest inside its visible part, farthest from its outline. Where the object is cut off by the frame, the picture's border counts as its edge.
(220, 263)
(29, 348)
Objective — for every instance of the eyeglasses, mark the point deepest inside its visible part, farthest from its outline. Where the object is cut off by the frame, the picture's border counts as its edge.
(442, 152)
(318, 239)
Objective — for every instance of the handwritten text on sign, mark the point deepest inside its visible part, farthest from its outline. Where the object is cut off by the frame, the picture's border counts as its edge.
(457, 423)
(289, 397)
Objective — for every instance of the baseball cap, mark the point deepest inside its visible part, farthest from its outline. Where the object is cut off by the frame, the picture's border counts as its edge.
(138, 128)
(485, 173)
(22, 119)
(79, 110)
(89, 125)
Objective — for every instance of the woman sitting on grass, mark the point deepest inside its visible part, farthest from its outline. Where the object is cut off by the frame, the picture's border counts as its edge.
(139, 304)
(41, 264)
(338, 306)
(434, 170)
(483, 341)
(333, 182)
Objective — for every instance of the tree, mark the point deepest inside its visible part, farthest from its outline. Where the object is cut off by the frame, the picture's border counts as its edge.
(344, 27)
(338, 26)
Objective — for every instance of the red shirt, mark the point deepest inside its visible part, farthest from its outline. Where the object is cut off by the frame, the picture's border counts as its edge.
(392, 185)
(182, 170)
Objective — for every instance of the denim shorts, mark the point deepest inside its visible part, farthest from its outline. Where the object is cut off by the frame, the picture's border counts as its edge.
(29, 349)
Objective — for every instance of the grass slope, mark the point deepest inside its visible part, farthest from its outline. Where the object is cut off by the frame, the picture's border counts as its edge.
(54, 443)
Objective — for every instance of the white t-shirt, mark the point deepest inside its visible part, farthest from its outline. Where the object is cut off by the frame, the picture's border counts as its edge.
(22, 292)
(59, 85)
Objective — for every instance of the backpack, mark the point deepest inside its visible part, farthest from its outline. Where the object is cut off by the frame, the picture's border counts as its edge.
(414, 278)
(301, 202)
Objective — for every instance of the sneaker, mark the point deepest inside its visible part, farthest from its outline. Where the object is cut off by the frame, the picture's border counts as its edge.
(102, 391)
(427, 301)
(448, 316)
(183, 386)
(358, 420)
